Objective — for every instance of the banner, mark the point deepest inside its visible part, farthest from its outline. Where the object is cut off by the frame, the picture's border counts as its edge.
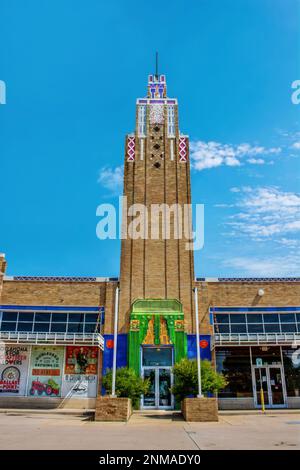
(46, 371)
(13, 369)
(81, 360)
(79, 386)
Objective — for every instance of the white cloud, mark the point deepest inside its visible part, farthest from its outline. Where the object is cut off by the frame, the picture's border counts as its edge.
(111, 179)
(213, 154)
(272, 266)
(296, 145)
(256, 161)
(266, 212)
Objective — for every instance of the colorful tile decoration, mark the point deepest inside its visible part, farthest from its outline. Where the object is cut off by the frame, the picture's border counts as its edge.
(130, 148)
(183, 149)
(156, 114)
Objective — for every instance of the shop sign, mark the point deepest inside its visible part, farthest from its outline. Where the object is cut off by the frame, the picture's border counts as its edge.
(81, 360)
(79, 386)
(13, 369)
(46, 371)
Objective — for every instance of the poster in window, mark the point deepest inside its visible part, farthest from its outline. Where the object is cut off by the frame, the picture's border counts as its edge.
(81, 360)
(79, 386)
(13, 369)
(46, 371)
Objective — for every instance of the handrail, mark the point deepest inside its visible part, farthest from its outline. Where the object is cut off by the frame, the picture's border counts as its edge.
(256, 338)
(92, 339)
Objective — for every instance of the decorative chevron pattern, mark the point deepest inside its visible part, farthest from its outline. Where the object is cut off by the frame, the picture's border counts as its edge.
(182, 149)
(130, 149)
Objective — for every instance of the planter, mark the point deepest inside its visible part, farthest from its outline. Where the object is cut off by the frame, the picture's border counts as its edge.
(113, 409)
(200, 409)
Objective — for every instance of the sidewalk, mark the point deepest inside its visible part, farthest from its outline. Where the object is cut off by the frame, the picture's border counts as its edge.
(142, 413)
(148, 431)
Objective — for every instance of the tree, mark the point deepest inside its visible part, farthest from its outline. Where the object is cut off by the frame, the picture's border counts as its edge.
(186, 379)
(128, 384)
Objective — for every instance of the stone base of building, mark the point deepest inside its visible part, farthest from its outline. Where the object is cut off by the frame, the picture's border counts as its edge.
(113, 409)
(246, 403)
(200, 409)
(47, 403)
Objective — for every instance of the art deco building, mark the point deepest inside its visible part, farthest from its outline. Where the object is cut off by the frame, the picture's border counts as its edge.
(56, 333)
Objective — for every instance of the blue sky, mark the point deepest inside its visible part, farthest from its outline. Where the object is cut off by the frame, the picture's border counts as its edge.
(73, 70)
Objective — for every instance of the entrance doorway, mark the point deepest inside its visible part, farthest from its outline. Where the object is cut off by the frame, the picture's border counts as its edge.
(270, 379)
(157, 367)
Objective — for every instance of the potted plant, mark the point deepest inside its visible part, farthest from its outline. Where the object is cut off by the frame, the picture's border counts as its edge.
(128, 385)
(185, 389)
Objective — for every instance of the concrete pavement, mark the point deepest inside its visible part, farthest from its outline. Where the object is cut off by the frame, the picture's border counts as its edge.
(149, 431)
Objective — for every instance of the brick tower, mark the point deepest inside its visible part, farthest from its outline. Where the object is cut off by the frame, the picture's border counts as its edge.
(156, 171)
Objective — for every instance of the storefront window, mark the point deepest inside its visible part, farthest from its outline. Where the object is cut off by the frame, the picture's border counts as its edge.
(234, 364)
(48, 321)
(58, 327)
(270, 355)
(291, 363)
(25, 326)
(8, 326)
(254, 318)
(250, 323)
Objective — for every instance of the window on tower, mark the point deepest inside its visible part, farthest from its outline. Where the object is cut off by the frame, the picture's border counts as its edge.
(171, 121)
(142, 120)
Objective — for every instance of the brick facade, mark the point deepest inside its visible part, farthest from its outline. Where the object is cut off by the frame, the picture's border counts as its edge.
(244, 294)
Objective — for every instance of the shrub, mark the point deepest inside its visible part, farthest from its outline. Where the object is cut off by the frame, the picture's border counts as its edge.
(128, 384)
(186, 379)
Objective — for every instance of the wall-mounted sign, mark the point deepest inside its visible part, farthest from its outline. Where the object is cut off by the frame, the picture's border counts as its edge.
(13, 369)
(45, 371)
(79, 386)
(81, 360)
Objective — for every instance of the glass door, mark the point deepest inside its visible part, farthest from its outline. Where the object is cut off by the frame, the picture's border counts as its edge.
(261, 386)
(159, 395)
(164, 385)
(276, 386)
(157, 367)
(268, 380)
(149, 399)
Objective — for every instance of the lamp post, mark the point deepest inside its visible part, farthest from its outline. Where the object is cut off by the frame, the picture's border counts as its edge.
(198, 343)
(114, 368)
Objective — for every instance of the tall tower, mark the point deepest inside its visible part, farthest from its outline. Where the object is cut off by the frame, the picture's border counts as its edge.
(156, 171)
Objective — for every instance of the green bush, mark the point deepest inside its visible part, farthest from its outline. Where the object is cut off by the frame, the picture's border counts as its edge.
(186, 379)
(128, 384)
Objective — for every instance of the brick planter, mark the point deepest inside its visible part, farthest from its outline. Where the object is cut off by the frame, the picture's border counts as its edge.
(200, 409)
(113, 409)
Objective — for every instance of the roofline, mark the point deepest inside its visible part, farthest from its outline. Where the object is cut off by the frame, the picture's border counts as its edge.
(247, 279)
(60, 279)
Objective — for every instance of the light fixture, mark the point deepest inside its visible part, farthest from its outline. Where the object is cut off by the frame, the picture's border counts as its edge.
(261, 292)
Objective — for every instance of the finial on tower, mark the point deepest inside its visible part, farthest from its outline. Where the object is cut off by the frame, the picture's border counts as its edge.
(157, 87)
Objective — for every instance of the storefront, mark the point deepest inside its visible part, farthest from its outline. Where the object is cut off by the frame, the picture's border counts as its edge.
(50, 352)
(257, 351)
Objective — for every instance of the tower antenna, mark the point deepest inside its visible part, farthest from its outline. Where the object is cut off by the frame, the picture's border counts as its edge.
(156, 64)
